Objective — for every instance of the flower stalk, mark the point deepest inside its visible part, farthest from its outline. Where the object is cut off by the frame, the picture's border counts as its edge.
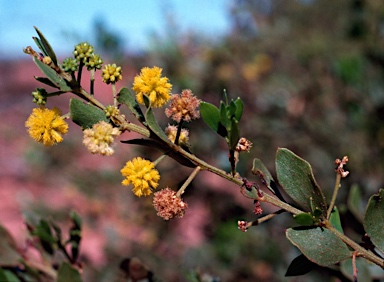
(188, 181)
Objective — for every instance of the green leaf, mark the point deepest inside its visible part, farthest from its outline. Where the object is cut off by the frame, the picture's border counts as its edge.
(354, 202)
(68, 273)
(374, 220)
(8, 249)
(335, 220)
(239, 109)
(319, 245)
(162, 147)
(76, 219)
(304, 219)
(232, 109)
(49, 72)
(64, 86)
(39, 45)
(261, 170)
(224, 119)
(45, 81)
(44, 233)
(296, 177)
(211, 116)
(300, 266)
(85, 115)
(127, 98)
(234, 134)
(47, 49)
(8, 276)
(154, 126)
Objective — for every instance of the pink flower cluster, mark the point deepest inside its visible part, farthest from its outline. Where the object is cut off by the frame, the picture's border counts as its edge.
(168, 205)
(183, 107)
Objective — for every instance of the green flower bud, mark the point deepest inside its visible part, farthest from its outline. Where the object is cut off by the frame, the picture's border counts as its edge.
(94, 62)
(111, 111)
(83, 51)
(39, 96)
(70, 65)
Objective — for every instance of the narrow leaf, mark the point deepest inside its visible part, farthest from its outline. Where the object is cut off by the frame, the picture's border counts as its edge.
(85, 115)
(239, 109)
(77, 221)
(49, 72)
(232, 109)
(68, 273)
(234, 134)
(40, 45)
(127, 98)
(224, 119)
(154, 126)
(374, 219)
(319, 245)
(45, 81)
(300, 266)
(47, 47)
(296, 177)
(335, 220)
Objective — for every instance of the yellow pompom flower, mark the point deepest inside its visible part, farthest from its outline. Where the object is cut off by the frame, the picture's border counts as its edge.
(151, 84)
(142, 175)
(46, 126)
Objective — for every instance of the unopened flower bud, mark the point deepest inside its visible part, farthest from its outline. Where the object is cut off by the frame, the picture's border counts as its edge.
(242, 225)
(47, 60)
(111, 73)
(244, 145)
(39, 96)
(83, 51)
(70, 65)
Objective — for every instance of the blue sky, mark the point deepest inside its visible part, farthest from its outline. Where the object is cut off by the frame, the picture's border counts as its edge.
(133, 20)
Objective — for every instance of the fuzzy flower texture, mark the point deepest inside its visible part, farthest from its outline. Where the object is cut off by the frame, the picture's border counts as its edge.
(183, 107)
(168, 205)
(171, 132)
(99, 137)
(142, 174)
(151, 84)
(46, 126)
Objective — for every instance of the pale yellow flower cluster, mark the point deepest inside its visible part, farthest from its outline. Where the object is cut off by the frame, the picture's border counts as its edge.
(99, 138)
(171, 132)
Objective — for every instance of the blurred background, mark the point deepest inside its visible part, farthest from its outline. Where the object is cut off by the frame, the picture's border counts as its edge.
(309, 72)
